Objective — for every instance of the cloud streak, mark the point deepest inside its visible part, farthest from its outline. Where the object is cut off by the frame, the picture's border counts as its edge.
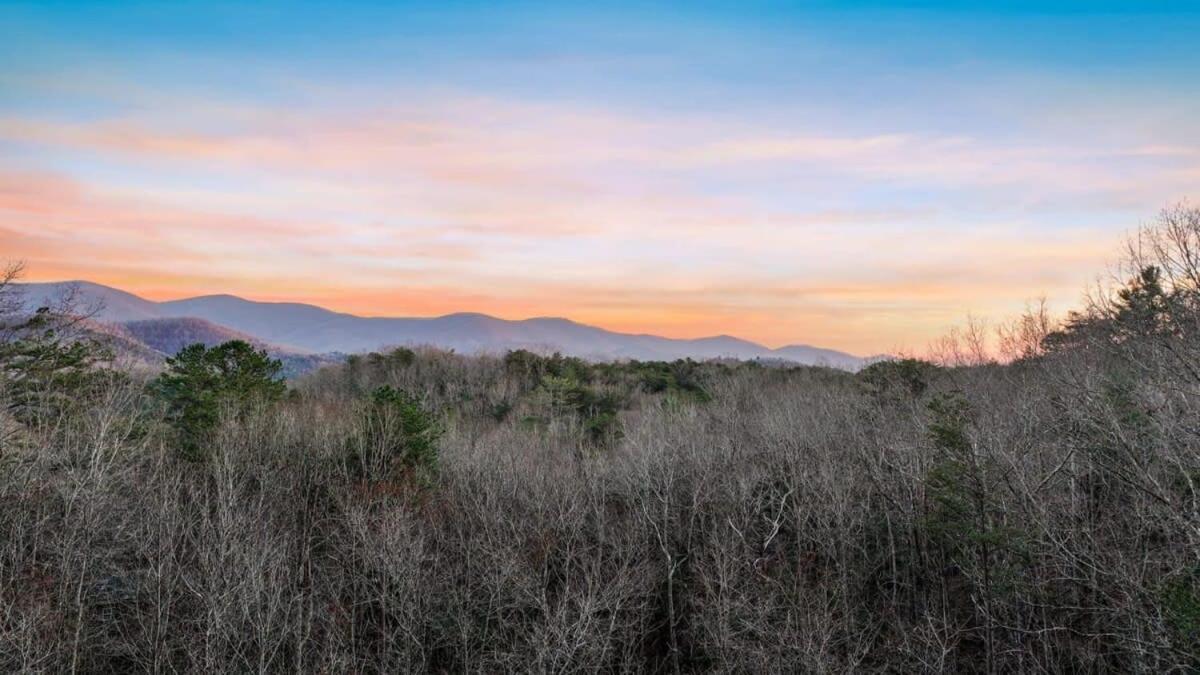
(825, 216)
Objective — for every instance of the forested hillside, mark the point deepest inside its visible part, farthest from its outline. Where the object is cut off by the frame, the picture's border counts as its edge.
(1033, 507)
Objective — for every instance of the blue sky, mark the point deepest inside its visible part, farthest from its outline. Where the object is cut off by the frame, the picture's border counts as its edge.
(859, 175)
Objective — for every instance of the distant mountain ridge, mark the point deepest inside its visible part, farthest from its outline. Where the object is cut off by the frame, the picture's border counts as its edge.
(310, 329)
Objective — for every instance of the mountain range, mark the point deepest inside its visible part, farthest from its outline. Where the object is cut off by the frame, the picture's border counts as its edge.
(300, 329)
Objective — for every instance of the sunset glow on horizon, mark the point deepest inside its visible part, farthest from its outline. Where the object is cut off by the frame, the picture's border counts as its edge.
(857, 176)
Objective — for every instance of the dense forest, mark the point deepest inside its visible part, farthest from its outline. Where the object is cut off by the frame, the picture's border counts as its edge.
(1024, 499)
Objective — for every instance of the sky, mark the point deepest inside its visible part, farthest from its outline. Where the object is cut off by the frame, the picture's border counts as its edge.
(854, 175)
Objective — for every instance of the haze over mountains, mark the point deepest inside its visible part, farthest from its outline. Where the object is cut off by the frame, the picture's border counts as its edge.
(306, 329)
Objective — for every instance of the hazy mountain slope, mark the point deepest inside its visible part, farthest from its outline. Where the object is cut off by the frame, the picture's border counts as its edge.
(817, 355)
(314, 328)
(309, 328)
(102, 302)
(125, 346)
(170, 335)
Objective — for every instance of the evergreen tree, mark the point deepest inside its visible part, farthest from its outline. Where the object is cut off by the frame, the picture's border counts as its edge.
(200, 382)
(1143, 306)
(397, 435)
